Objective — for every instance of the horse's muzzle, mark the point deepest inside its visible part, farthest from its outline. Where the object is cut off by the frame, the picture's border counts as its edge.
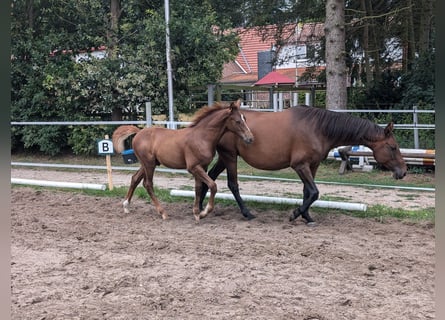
(248, 140)
(399, 174)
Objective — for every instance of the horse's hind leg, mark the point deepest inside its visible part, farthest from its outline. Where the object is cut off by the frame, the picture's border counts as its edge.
(135, 180)
(310, 195)
(148, 184)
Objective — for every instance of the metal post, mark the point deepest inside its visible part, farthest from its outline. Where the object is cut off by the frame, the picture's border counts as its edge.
(210, 94)
(271, 97)
(169, 66)
(275, 102)
(307, 98)
(295, 99)
(218, 93)
(148, 115)
(416, 130)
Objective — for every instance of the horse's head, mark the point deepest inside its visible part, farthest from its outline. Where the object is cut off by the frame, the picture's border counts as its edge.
(386, 152)
(237, 124)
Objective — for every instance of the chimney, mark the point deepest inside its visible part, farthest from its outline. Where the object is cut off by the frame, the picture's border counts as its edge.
(264, 63)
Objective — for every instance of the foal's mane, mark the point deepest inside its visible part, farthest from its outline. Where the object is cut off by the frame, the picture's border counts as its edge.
(340, 125)
(204, 112)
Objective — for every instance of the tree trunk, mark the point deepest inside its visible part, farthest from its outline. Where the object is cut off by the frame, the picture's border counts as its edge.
(366, 61)
(375, 44)
(30, 10)
(336, 95)
(426, 12)
(115, 11)
(116, 114)
(411, 35)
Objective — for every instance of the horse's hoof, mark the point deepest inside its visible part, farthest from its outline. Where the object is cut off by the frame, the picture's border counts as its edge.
(250, 216)
(295, 214)
(311, 224)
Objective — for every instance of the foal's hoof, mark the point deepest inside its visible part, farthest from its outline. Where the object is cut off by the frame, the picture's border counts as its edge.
(311, 224)
(197, 217)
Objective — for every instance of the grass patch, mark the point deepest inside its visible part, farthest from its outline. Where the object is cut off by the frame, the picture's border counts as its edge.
(377, 211)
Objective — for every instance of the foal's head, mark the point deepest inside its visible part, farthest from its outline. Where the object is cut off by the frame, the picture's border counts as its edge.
(386, 152)
(237, 124)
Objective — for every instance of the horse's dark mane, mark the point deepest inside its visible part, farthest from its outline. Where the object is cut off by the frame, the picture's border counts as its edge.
(340, 125)
(204, 112)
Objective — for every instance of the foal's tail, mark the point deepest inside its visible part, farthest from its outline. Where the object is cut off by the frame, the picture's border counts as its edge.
(121, 134)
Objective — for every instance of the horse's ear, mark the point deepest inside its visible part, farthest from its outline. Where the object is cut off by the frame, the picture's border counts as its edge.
(235, 104)
(388, 129)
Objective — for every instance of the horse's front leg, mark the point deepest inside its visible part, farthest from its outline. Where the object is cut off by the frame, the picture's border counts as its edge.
(229, 161)
(201, 177)
(232, 183)
(310, 195)
(197, 204)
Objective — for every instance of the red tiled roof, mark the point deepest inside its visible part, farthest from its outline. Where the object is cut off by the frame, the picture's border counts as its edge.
(251, 42)
(244, 69)
(274, 78)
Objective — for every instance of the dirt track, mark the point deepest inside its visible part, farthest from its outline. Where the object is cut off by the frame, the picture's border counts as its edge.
(80, 257)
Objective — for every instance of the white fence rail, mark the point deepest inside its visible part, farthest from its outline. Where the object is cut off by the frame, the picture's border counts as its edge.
(415, 125)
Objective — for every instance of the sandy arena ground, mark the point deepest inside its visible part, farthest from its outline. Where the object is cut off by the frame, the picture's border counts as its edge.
(80, 257)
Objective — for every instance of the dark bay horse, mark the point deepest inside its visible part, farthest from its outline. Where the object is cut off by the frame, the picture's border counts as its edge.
(301, 137)
(191, 148)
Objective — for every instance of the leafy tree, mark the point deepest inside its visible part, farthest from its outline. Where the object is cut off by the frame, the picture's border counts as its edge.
(47, 84)
(418, 85)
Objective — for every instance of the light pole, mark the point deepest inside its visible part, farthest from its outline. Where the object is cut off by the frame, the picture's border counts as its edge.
(169, 65)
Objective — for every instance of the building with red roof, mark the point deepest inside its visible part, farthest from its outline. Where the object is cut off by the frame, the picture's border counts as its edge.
(275, 53)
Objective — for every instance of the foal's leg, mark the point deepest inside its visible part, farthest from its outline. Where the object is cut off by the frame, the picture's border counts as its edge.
(202, 177)
(135, 179)
(213, 173)
(149, 169)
